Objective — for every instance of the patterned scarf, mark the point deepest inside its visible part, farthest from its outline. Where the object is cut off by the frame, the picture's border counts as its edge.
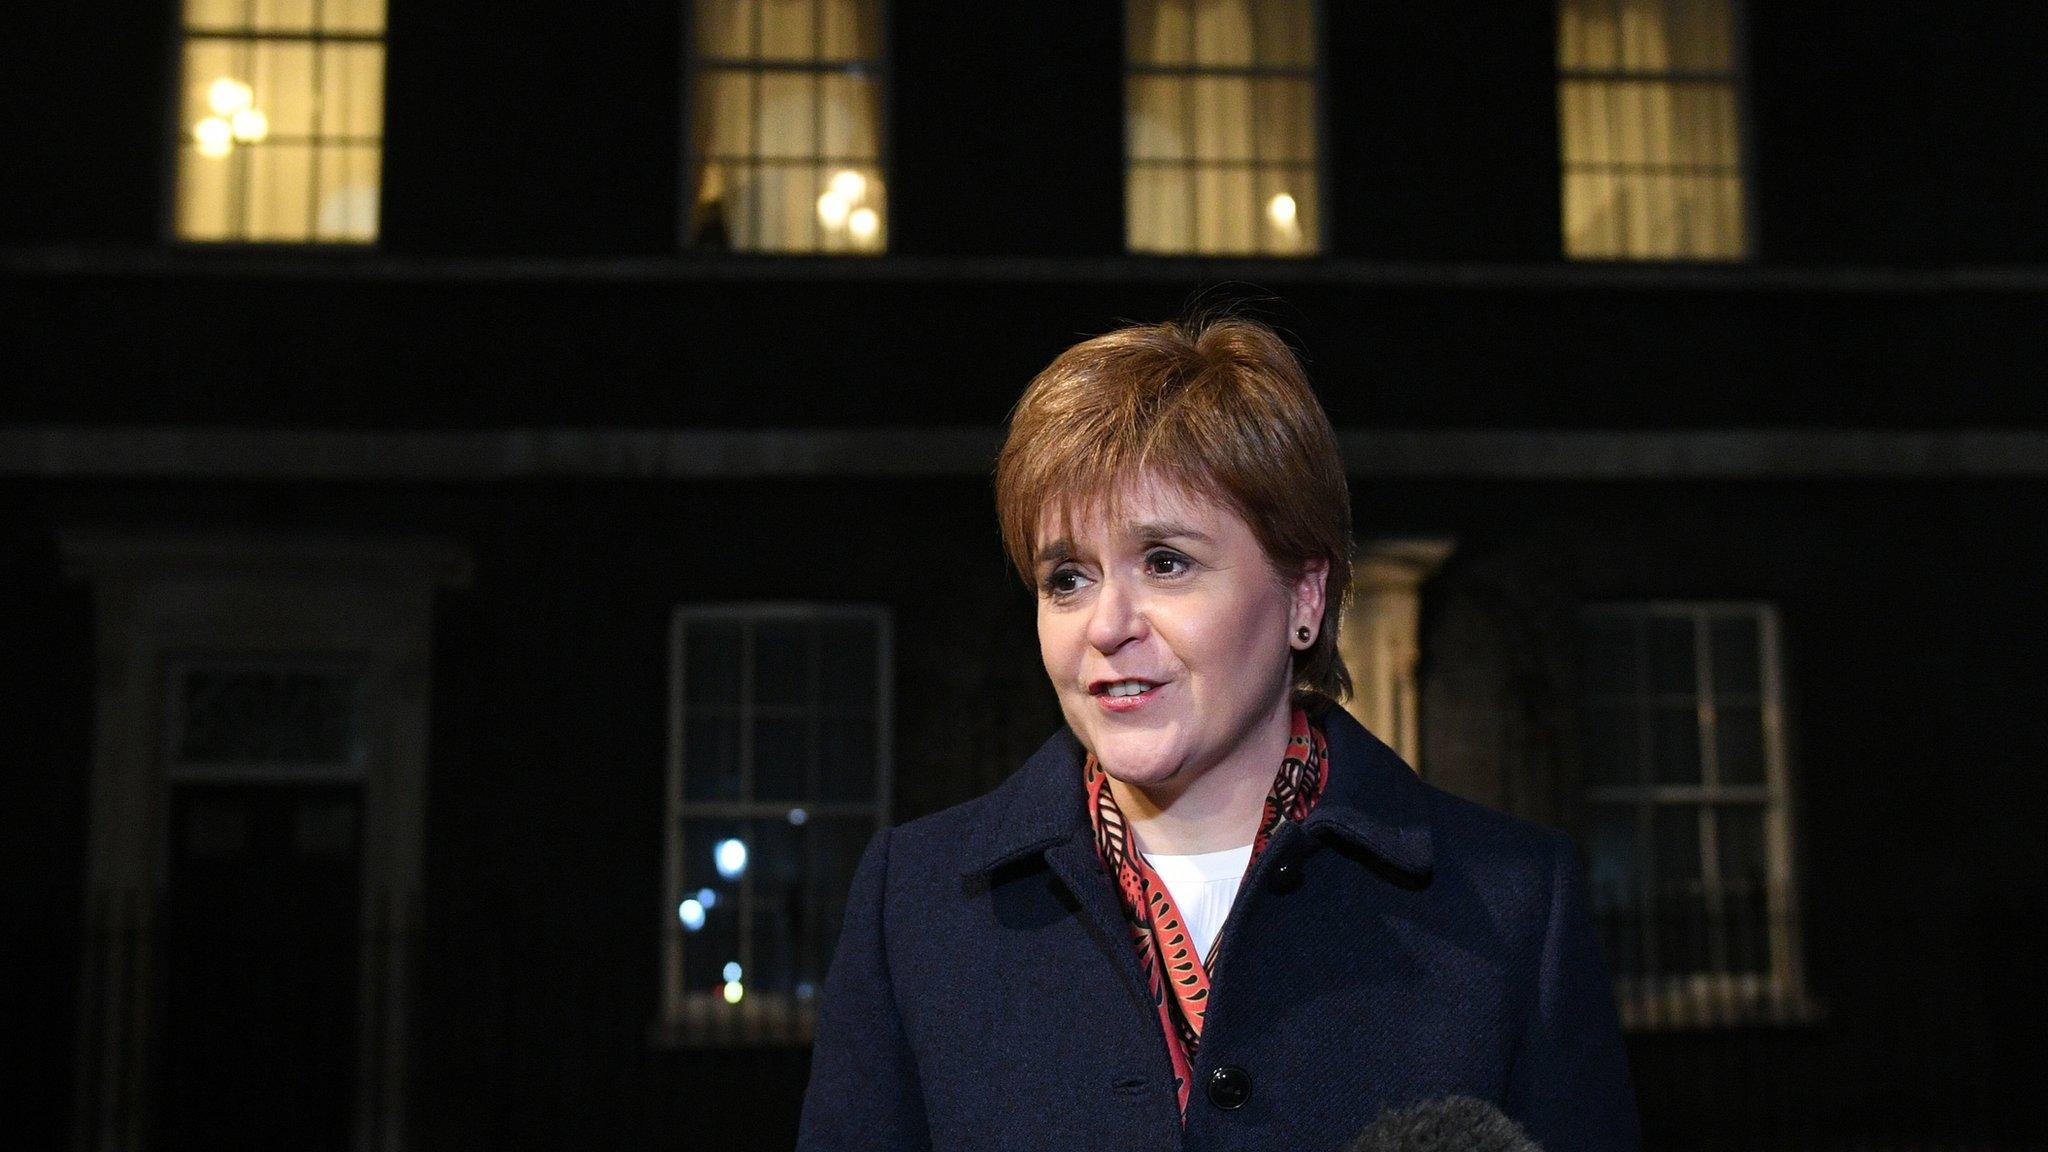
(1165, 953)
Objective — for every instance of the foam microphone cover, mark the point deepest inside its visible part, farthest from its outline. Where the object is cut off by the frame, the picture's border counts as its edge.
(1451, 1124)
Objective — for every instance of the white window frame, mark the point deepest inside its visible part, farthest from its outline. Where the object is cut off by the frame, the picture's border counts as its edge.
(760, 1019)
(1697, 1000)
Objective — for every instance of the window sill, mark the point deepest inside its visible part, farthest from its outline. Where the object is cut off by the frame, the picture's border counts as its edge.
(761, 1020)
(1713, 1002)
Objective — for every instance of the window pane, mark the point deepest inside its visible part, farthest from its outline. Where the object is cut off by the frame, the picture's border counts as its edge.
(1223, 33)
(724, 29)
(716, 942)
(358, 16)
(846, 767)
(1224, 212)
(1286, 121)
(1158, 206)
(352, 90)
(711, 757)
(1743, 888)
(1221, 110)
(1158, 32)
(1680, 929)
(281, 15)
(1739, 736)
(787, 32)
(847, 664)
(789, 115)
(849, 105)
(781, 909)
(782, 662)
(782, 758)
(1674, 745)
(1155, 128)
(1285, 33)
(850, 30)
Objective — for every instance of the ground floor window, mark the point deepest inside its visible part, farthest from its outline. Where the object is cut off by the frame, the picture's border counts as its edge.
(779, 746)
(1687, 814)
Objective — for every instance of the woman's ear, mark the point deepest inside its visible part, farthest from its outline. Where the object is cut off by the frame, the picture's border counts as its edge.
(1309, 595)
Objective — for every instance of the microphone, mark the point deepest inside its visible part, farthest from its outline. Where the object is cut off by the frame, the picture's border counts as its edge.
(1451, 1124)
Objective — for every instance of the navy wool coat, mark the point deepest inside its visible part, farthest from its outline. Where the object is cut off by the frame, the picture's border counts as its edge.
(1397, 944)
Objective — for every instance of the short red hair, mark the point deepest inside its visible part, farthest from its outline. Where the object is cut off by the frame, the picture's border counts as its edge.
(1221, 408)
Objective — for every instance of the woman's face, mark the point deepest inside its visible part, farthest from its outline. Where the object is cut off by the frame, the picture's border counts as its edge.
(1177, 595)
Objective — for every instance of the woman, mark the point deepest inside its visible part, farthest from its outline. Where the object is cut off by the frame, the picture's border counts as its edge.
(1212, 911)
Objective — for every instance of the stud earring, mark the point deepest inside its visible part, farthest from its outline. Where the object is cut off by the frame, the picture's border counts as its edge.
(1301, 633)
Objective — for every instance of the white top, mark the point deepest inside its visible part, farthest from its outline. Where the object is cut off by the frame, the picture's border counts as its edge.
(1203, 886)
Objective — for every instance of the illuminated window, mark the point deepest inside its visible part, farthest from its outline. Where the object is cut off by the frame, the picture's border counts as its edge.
(1647, 111)
(1687, 812)
(786, 137)
(281, 120)
(778, 776)
(1220, 148)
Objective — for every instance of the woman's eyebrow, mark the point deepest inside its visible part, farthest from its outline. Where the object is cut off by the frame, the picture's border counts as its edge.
(1167, 530)
(1057, 551)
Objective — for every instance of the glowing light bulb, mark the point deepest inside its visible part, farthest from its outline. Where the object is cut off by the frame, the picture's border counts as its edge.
(691, 912)
(707, 897)
(731, 971)
(849, 185)
(864, 224)
(216, 136)
(733, 991)
(832, 210)
(1282, 210)
(798, 817)
(731, 858)
(250, 125)
(228, 96)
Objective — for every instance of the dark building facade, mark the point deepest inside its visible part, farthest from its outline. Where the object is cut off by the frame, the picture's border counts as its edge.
(462, 631)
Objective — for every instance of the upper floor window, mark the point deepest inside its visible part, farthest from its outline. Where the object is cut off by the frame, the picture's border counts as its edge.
(281, 121)
(786, 139)
(1647, 104)
(779, 721)
(1220, 108)
(1689, 830)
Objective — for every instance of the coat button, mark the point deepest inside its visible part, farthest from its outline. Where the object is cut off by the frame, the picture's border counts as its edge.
(1229, 1087)
(1286, 878)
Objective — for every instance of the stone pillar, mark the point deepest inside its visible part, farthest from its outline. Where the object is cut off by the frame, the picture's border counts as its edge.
(1380, 637)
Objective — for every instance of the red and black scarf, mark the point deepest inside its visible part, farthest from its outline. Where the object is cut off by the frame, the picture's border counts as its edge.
(1176, 977)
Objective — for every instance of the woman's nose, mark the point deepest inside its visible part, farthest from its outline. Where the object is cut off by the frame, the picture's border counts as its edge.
(1116, 618)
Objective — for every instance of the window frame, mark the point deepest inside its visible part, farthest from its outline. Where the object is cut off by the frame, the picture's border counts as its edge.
(761, 1019)
(176, 133)
(690, 166)
(1739, 73)
(1317, 246)
(1707, 999)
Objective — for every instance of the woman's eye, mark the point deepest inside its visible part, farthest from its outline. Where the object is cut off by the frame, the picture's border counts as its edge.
(1162, 563)
(1060, 582)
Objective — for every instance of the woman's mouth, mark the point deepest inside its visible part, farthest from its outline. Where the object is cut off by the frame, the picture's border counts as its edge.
(1125, 695)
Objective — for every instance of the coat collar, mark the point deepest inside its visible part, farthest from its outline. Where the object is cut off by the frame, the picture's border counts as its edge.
(1373, 800)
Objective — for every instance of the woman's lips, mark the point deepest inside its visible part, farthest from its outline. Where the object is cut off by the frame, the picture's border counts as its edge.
(1127, 703)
